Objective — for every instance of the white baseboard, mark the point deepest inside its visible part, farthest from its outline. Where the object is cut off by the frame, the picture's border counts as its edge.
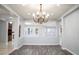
(41, 44)
(20, 46)
(11, 51)
(69, 51)
(15, 49)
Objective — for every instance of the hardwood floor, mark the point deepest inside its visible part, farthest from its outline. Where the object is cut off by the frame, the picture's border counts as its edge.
(40, 50)
(6, 51)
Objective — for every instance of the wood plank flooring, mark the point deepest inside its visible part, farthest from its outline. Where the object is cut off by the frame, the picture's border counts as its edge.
(7, 50)
(40, 50)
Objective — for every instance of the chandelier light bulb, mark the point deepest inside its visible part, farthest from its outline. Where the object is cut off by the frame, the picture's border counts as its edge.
(47, 15)
(33, 14)
(44, 13)
(37, 13)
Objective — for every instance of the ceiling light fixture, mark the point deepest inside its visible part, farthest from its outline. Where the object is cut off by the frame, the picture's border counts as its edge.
(40, 17)
(10, 22)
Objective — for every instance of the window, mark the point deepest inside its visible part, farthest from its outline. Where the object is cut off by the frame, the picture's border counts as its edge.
(51, 31)
(28, 31)
(36, 31)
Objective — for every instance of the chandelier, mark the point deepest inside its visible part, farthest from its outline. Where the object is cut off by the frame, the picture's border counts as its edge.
(40, 17)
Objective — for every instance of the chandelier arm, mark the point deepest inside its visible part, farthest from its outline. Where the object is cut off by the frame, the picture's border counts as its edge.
(40, 17)
(41, 8)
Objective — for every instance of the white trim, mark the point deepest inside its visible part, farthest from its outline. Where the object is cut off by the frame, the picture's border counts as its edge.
(12, 50)
(40, 44)
(69, 51)
(65, 14)
(62, 22)
(72, 9)
(10, 9)
(20, 46)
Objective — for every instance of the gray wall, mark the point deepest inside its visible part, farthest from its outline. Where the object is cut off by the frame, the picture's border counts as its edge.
(70, 38)
(43, 37)
(21, 38)
(3, 34)
(15, 29)
(16, 41)
(0, 31)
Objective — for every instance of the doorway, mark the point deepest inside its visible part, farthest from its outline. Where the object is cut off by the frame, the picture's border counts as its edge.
(10, 36)
(9, 31)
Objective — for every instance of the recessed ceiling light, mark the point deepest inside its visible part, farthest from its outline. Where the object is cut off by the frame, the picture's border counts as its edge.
(10, 22)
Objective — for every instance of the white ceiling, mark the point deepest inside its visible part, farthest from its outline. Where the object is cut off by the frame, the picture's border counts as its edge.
(4, 13)
(27, 10)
